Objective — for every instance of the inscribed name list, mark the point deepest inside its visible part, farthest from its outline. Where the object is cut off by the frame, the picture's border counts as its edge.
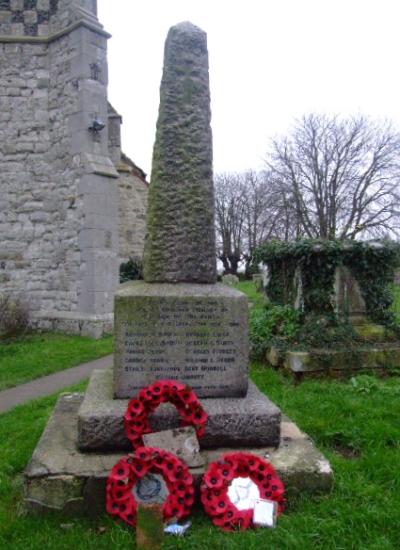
(197, 340)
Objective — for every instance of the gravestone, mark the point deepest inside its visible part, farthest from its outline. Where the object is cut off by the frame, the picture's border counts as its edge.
(179, 324)
(349, 301)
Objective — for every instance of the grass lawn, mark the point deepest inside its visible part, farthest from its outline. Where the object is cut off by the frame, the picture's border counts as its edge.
(36, 355)
(256, 298)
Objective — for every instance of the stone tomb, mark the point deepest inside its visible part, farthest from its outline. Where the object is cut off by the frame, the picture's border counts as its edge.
(189, 332)
(177, 324)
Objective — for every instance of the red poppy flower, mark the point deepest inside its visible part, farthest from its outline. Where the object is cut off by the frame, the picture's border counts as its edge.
(145, 394)
(222, 522)
(135, 407)
(226, 471)
(177, 386)
(127, 512)
(200, 416)
(213, 479)
(140, 467)
(244, 519)
(157, 387)
(180, 475)
(170, 461)
(145, 453)
(118, 493)
(112, 506)
(166, 390)
(121, 470)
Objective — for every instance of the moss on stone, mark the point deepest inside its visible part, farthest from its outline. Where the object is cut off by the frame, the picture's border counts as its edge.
(371, 331)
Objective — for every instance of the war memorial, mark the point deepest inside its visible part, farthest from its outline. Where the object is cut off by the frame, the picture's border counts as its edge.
(178, 324)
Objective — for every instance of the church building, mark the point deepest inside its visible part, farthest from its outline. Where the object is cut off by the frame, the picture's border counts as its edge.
(72, 205)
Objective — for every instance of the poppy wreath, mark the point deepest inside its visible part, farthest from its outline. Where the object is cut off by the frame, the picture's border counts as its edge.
(120, 501)
(136, 418)
(216, 482)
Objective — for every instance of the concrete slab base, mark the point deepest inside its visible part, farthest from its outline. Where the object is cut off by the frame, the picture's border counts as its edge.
(232, 421)
(59, 477)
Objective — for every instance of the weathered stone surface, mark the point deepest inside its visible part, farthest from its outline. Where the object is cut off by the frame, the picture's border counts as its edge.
(230, 279)
(372, 332)
(274, 357)
(349, 301)
(94, 326)
(252, 420)
(386, 356)
(82, 489)
(182, 442)
(189, 332)
(299, 361)
(180, 244)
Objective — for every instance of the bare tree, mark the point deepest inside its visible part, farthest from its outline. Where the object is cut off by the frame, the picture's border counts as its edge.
(249, 210)
(339, 177)
(263, 214)
(230, 198)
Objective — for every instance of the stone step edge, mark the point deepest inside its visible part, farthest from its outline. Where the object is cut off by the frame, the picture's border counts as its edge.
(60, 478)
(252, 420)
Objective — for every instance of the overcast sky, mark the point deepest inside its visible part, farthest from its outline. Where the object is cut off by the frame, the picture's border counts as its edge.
(270, 61)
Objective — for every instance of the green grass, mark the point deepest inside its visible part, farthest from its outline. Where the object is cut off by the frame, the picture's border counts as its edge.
(255, 298)
(37, 355)
(362, 510)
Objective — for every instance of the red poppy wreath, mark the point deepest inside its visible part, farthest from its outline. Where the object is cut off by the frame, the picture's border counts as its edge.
(120, 500)
(185, 400)
(217, 480)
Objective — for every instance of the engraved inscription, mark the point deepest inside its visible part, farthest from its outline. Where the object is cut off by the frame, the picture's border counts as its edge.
(189, 341)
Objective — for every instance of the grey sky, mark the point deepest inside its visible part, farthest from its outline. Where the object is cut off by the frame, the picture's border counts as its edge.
(270, 61)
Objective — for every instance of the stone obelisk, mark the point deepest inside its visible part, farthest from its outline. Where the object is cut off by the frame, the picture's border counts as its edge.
(180, 242)
(178, 323)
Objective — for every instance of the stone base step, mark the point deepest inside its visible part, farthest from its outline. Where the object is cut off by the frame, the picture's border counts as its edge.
(232, 421)
(59, 477)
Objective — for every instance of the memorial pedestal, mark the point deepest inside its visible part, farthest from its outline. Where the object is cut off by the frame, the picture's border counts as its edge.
(85, 436)
(194, 333)
(250, 421)
(61, 478)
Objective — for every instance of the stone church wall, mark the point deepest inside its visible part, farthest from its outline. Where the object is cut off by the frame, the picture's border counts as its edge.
(61, 194)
